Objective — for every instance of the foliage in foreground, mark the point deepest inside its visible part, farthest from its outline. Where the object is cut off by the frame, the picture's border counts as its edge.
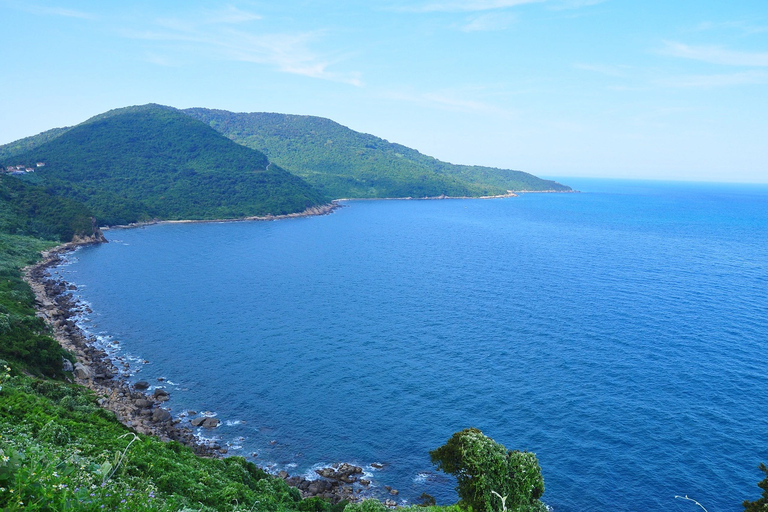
(60, 450)
(24, 338)
(760, 505)
(490, 477)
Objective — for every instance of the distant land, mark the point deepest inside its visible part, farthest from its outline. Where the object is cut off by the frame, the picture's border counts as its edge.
(153, 162)
(343, 163)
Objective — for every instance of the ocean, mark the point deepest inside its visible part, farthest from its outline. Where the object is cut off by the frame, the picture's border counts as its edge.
(619, 333)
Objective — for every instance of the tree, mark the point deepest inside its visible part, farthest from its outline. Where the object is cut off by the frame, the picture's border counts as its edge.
(760, 505)
(489, 477)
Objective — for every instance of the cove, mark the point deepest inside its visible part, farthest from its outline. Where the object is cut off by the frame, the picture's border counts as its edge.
(617, 333)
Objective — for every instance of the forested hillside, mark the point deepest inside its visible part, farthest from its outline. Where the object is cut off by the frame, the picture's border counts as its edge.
(343, 163)
(154, 162)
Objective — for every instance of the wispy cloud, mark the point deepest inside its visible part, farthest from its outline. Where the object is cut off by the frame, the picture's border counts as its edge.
(575, 4)
(716, 55)
(58, 11)
(715, 81)
(448, 100)
(604, 69)
(465, 5)
(489, 22)
(741, 26)
(288, 52)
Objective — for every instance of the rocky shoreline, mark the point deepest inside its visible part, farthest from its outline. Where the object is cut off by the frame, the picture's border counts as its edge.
(144, 412)
(312, 211)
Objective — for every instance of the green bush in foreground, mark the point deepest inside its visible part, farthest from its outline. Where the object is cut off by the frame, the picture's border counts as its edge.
(760, 505)
(490, 477)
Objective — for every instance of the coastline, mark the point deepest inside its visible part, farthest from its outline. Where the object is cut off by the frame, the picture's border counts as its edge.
(144, 412)
(312, 211)
(94, 368)
(510, 193)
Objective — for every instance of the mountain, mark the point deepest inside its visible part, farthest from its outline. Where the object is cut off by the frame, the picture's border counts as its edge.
(343, 163)
(155, 162)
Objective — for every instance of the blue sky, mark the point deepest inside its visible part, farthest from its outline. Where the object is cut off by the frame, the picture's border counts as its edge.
(611, 88)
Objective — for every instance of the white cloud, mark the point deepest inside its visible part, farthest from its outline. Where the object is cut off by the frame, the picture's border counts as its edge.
(489, 22)
(716, 55)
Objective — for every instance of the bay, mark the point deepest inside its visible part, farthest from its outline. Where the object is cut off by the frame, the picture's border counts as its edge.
(618, 333)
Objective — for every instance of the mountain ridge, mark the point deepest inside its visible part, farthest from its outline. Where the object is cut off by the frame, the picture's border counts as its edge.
(344, 163)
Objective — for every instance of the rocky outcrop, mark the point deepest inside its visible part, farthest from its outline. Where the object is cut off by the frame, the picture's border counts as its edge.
(335, 484)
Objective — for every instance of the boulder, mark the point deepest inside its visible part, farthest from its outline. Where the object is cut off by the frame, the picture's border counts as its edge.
(66, 365)
(83, 372)
(143, 403)
(142, 384)
(210, 423)
(196, 422)
(160, 415)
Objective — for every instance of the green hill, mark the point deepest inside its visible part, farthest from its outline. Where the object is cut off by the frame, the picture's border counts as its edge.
(343, 163)
(154, 162)
(28, 210)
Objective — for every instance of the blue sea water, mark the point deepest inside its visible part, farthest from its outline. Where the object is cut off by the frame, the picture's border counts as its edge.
(619, 333)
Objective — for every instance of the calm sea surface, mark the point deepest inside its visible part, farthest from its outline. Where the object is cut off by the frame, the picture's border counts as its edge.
(620, 334)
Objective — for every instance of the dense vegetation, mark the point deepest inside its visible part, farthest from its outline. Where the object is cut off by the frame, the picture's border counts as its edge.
(28, 143)
(490, 477)
(343, 163)
(30, 210)
(153, 162)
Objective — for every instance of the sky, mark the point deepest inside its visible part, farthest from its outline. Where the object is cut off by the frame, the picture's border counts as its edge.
(643, 89)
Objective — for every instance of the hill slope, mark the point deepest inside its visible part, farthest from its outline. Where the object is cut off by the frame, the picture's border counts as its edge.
(344, 163)
(151, 161)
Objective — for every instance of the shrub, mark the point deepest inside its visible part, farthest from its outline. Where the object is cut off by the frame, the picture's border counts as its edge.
(490, 477)
(760, 505)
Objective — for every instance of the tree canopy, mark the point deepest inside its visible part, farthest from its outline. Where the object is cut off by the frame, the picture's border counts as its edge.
(489, 477)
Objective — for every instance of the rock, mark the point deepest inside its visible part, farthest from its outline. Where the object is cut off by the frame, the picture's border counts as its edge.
(394, 492)
(377, 465)
(196, 422)
(283, 474)
(390, 503)
(160, 415)
(142, 384)
(159, 392)
(365, 482)
(66, 365)
(210, 423)
(83, 372)
(143, 403)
